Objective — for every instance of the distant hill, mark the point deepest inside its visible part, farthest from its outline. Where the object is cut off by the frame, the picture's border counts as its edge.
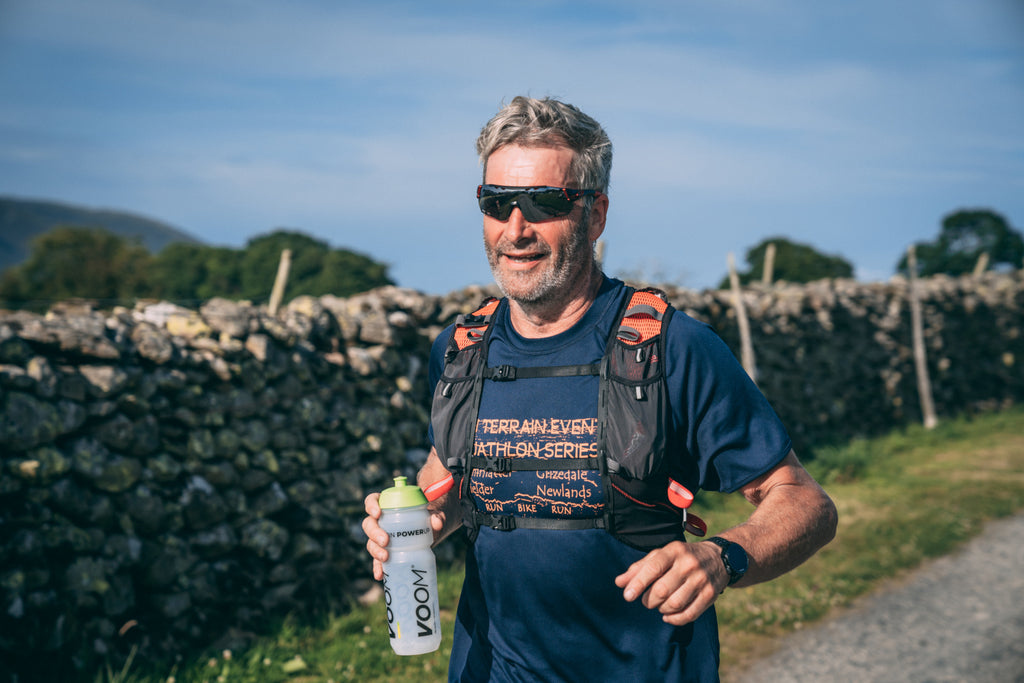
(22, 220)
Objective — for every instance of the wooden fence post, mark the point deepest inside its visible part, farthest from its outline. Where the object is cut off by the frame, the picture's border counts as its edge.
(769, 264)
(746, 347)
(924, 385)
(982, 265)
(280, 281)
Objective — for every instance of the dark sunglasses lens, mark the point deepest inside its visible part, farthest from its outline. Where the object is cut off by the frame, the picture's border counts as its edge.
(551, 202)
(497, 205)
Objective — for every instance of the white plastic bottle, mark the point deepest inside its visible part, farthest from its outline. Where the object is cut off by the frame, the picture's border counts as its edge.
(410, 574)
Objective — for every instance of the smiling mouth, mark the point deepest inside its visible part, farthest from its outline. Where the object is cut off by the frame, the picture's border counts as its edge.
(523, 258)
(531, 257)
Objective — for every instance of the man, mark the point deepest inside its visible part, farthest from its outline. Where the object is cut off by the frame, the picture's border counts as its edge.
(575, 414)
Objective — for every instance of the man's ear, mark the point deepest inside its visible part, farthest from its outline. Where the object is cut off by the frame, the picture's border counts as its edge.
(598, 215)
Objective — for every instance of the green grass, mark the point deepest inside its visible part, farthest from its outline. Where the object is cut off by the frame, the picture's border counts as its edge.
(903, 498)
(349, 647)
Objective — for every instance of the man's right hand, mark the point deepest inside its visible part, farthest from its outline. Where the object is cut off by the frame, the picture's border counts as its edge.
(441, 510)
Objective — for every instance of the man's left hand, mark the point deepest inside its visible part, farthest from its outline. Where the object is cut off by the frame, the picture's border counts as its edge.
(680, 580)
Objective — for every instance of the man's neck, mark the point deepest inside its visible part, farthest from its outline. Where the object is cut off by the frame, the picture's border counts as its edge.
(547, 319)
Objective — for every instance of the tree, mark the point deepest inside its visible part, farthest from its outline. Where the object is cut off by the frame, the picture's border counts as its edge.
(316, 269)
(263, 254)
(78, 262)
(794, 262)
(97, 264)
(964, 237)
(346, 272)
(190, 272)
(187, 273)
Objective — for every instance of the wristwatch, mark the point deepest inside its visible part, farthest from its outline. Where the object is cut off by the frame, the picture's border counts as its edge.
(734, 557)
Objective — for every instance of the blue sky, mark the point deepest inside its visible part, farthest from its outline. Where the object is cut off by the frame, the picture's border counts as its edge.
(853, 127)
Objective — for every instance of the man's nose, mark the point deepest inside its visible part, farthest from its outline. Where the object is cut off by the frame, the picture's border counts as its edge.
(517, 227)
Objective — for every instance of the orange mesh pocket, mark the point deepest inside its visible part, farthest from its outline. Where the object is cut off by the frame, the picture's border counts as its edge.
(464, 336)
(643, 318)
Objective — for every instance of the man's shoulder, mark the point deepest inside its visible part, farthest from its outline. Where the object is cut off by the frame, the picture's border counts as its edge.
(683, 323)
(689, 340)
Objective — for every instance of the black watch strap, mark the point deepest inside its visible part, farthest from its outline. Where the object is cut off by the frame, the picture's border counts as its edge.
(734, 557)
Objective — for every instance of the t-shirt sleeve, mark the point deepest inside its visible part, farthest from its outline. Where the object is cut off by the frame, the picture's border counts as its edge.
(723, 421)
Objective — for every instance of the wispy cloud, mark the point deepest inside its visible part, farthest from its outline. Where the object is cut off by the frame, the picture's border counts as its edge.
(356, 121)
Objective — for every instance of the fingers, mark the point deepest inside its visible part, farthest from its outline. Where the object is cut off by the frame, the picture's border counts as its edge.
(687, 603)
(437, 521)
(372, 505)
(644, 573)
(670, 580)
(377, 538)
(655, 578)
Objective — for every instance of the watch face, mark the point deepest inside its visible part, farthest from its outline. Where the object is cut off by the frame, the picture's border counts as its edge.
(737, 557)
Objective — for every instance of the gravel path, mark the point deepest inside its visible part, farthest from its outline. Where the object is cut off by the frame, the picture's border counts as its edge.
(960, 618)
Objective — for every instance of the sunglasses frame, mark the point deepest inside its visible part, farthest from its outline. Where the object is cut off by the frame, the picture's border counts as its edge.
(522, 197)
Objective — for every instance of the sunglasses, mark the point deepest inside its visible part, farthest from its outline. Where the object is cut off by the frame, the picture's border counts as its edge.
(536, 203)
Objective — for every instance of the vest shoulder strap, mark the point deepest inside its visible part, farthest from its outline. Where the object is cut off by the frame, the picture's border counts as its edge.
(471, 327)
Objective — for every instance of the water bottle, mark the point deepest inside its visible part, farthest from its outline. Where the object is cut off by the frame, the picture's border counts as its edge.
(410, 574)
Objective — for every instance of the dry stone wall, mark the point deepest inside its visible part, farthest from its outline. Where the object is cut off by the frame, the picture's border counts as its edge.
(835, 358)
(179, 478)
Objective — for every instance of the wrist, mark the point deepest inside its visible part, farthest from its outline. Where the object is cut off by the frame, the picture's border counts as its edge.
(733, 557)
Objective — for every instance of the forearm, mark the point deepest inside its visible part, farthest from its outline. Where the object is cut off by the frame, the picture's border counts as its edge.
(792, 520)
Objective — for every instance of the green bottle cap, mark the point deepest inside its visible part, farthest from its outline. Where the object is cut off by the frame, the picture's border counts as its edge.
(402, 495)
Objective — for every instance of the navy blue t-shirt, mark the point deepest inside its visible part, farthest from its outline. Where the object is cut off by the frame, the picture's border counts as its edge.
(542, 605)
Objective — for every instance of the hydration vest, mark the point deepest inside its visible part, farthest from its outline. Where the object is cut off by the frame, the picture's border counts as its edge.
(644, 505)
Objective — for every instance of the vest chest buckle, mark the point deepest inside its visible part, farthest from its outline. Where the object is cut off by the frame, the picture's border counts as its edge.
(504, 373)
(499, 465)
(504, 523)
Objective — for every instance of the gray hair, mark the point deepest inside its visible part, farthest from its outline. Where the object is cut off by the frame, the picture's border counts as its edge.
(548, 122)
